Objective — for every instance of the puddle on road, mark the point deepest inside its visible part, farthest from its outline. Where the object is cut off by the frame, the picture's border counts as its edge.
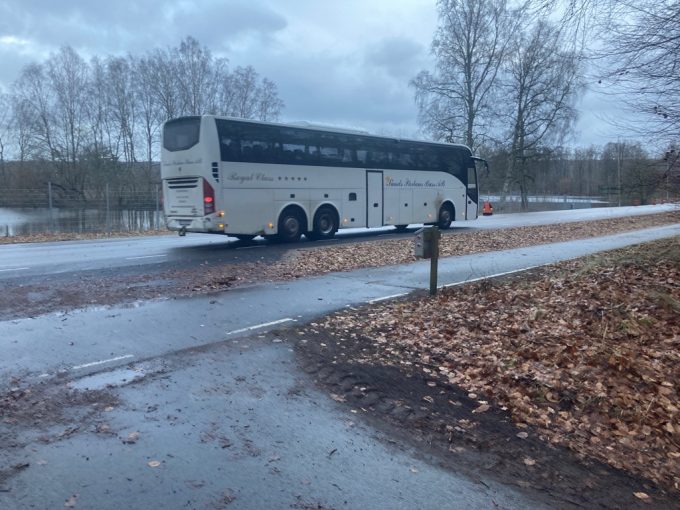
(105, 380)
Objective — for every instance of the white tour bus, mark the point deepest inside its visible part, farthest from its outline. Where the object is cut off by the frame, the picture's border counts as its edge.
(246, 178)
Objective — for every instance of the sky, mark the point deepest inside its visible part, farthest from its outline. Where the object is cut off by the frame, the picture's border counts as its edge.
(339, 62)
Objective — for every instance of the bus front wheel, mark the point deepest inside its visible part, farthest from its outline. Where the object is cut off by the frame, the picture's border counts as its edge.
(446, 216)
(291, 226)
(325, 224)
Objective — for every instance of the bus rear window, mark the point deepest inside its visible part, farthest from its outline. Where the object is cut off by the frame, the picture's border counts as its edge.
(181, 134)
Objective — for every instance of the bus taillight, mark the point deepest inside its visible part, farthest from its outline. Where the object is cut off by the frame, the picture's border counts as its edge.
(208, 198)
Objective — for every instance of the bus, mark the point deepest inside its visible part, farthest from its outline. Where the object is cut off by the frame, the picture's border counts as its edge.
(246, 178)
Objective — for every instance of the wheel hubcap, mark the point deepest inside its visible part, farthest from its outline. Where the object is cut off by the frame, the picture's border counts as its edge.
(291, 225)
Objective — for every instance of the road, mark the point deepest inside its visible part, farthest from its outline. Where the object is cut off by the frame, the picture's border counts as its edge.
(159, 252)
(102, 337)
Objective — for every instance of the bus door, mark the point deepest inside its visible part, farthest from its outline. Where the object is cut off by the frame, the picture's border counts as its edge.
(374, 198)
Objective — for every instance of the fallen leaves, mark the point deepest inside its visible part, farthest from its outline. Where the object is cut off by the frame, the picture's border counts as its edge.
(587, 353)
(482, 409)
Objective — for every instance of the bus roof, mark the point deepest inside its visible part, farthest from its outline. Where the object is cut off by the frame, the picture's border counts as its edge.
(330, 129)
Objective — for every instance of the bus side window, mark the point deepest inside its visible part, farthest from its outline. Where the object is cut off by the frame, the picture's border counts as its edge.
(230, 149)
(293, 153)
(362, 157)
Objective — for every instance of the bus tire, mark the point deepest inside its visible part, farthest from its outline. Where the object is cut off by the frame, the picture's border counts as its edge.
(291, 225)
(446, 216)
(325, 224)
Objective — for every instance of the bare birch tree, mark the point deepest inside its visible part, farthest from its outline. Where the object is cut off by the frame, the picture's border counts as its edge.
(149, 109)
(541, 83)
(5, 119)
(122, 106)
(455, 101)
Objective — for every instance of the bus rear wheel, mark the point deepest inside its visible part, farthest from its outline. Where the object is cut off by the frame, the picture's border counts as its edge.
(446, 216)
(291, 226)
(325, 224)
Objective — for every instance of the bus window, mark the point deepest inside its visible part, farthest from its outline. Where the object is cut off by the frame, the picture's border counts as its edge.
(293, 153)
(330, 155)
(181, 134)
(472, 177)
(230, 149)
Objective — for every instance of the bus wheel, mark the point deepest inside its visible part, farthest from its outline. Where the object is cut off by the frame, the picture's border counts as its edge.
(445, 216)
(325, 224)
(290, 226)
(401, 228)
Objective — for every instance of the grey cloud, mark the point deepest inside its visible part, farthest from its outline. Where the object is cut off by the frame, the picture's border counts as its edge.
(399, 56)
(221, 22)
(115, 27)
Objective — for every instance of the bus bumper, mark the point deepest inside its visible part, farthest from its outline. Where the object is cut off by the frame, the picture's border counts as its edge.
(184, 225)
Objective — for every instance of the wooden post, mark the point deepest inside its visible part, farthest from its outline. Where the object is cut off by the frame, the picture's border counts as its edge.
(434, 261)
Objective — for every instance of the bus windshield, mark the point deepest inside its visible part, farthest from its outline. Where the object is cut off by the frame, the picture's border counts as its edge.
(181, 134)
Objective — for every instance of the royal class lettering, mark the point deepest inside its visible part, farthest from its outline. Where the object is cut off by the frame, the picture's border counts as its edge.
(254, 177)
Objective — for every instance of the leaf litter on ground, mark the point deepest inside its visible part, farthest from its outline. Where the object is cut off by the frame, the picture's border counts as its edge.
(586, 352)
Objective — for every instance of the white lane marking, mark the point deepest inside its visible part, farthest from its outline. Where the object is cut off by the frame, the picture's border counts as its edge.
(258, 326)
(144, 257)
(492, 276)
(377, 300)
(15, 269)
(101, 362)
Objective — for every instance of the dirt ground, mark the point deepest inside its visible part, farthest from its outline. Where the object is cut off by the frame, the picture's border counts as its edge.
(565, 382)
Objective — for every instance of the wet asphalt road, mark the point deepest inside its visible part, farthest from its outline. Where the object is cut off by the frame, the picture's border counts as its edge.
(156, 253)
(238, 427)
(78, 342)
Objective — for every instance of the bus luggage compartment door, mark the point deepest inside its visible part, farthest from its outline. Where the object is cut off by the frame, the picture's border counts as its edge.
(374, 198)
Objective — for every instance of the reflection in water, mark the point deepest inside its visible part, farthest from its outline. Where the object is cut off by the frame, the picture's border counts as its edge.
(40, 220)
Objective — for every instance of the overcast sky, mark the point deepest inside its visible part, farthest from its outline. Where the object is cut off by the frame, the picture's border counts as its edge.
(341, 62)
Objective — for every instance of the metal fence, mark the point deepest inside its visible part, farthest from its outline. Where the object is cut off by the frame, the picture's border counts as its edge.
(54, 209)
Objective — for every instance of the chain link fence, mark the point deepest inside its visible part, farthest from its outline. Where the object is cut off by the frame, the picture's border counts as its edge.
(53, 209)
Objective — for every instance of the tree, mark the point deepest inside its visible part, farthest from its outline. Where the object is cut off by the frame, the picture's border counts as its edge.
(199, 76)
(455, 102)
(641, 58)
(149, 110)
(4, 129)
(541, 83)
(270, 105)
(122, 105)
